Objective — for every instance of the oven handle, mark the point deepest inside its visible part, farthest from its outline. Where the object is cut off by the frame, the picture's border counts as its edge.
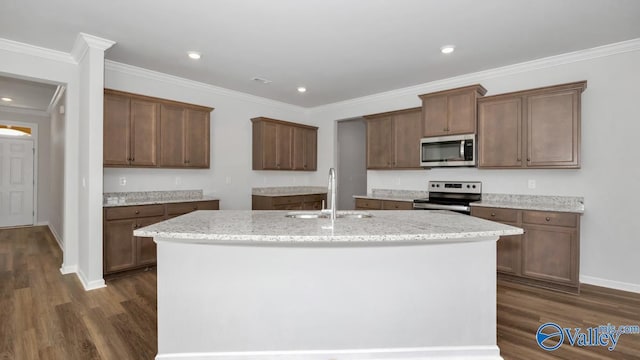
(427, 206)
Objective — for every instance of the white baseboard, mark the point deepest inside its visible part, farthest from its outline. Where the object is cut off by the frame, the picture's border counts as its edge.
(55, 235)
(90, 285)
(618, 285)
(68, 269)
(430, 353)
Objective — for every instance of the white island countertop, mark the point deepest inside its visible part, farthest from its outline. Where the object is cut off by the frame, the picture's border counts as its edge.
(272, 226)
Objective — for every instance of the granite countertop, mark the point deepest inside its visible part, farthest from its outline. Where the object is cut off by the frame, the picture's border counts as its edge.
(572, 204)
(274, 227)
(153, 197)
(289, 190)
(394, 195)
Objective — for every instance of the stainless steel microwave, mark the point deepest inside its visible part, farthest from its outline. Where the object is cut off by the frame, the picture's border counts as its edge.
(453, 150)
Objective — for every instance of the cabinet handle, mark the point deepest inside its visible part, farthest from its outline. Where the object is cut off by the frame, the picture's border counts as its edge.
(528, 159)
(547, 218)
(493, 214)
(133, 159)
(137, 212)
(519, 159)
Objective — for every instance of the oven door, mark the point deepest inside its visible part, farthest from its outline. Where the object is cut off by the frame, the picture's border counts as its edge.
(457, 150)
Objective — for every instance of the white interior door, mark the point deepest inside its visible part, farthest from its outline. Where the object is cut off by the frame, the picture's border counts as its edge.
(16, 182)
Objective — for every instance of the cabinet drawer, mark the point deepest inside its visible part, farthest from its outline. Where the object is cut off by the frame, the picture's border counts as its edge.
(397, 205)
(283, 200)
(127, 212)
(550, 218)
(314, 198)
(369, 204)
(187, 207)
(495, 214)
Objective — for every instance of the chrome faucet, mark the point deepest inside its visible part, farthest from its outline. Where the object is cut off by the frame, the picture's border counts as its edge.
(331, 194)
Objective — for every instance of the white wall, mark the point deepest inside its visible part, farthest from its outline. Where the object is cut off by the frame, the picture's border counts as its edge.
(43, 201)
(56, 170)
(608, 177)
(230, 177)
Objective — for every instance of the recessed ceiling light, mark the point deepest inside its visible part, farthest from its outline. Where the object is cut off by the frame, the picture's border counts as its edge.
(7, 99)
(194, 55)
(447, 49)
(302, 89)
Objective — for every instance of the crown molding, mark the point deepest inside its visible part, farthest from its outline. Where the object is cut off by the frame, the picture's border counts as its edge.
(23, 111)
(196, 85)
(472, 78)
(32, 50)
(85, 41)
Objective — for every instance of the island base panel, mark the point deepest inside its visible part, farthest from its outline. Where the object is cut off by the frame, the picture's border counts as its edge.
(372, 301)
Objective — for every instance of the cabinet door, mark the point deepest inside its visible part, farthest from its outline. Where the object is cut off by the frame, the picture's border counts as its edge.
(172, 136)
(509, 253)
(434, 116)
(406, 139)
(298, 148)
(145, 246)
(197, 139)
(379, 143)
(550, 253)
(461, 110)
(284, 139)
(265, 145)
(117, 136)
(144, 132)
(500, 133)
(553, 130)
(119, 245)
(310, 149)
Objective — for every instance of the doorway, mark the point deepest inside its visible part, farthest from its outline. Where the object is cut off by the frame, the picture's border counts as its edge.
(352, 161)
(16, 181)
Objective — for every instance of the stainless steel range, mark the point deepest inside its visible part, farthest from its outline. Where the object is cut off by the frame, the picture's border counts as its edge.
(450, 195)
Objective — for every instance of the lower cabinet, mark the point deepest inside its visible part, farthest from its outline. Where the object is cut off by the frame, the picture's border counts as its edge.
(375, 204)
(292, 202)
(546, 255)
(121, 250)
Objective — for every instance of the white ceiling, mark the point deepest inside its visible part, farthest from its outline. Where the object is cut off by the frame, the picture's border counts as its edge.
(26, 95)
(338, 49)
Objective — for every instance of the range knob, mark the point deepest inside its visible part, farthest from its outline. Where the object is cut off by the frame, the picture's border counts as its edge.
(468, 186)
(474, 186)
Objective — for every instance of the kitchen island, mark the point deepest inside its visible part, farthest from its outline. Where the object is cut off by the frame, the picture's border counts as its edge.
(259, 285)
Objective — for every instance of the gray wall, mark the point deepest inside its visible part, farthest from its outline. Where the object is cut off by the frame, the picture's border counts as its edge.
(56, 171)
(352, 159)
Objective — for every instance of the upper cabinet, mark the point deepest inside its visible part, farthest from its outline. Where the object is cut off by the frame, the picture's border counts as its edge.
(538, 128)
(130, 131)
(450, 112)
(282, 145)
(184, 140)
(141, 131)
(393, 139)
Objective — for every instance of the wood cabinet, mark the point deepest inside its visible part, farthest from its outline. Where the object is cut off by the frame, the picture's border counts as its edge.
(121, 250)
(142, 131)
(288, 202)
(376, 204)
(538, 128)
(184, 140)
(282, 145)
(130, 131)
(450, 112)
(546, 255)
(393, 139)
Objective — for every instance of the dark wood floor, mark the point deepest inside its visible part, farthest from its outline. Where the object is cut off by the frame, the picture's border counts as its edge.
(47, 315)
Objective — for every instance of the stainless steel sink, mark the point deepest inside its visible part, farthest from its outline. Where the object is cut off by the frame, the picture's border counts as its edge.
(321, 215)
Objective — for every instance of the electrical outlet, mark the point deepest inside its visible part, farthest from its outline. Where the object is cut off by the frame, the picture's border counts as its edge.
(123, 181)
(178, 180)
(531, 184)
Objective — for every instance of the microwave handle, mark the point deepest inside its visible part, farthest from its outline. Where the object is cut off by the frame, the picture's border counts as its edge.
(462, 149)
